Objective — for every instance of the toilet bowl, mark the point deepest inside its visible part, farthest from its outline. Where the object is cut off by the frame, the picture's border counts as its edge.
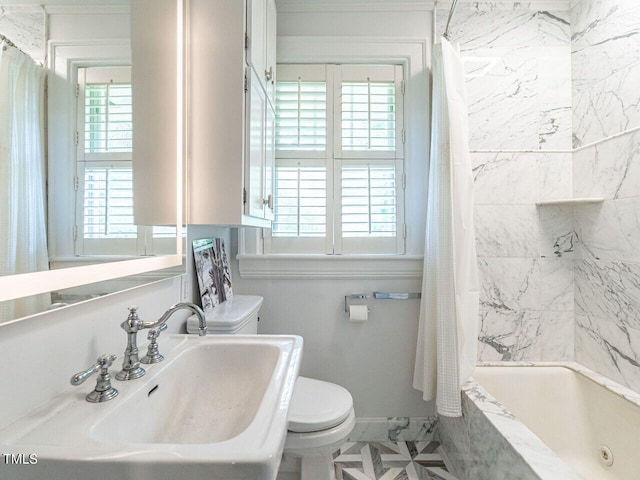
(321, 415)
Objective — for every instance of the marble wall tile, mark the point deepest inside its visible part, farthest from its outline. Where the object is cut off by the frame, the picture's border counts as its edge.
(606, 68)
(610, 169)
(412, 429)
(554, 97)
(507, 178)
(554, 27)
(608, 290)
(608, 231)
(604, 33)
(606, 99)
(555, 230)
(557, 336)
(24, 26)
(557, 175)
(518, 78)
(611, 349)
(393, 429)
(502, 94)
(526, 336)
(517, 284)
(606, 108)
(509, 336)
(506, 24)
(556, 284)
(506, 230)
(509, 284)
(498, 178)
(518, 74)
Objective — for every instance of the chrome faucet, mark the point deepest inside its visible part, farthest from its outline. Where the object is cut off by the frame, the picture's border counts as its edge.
(131, 368)
(103, 390)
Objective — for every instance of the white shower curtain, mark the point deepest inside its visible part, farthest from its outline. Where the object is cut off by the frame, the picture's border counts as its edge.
(446, 347)
(23, 240)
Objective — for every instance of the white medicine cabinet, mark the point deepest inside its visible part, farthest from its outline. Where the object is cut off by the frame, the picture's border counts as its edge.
(232, 63)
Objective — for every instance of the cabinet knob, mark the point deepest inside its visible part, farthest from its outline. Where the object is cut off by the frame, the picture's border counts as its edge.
(268, 201)
(268, 74)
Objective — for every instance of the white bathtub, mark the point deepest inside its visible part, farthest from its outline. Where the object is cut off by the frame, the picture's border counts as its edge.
(581, 416)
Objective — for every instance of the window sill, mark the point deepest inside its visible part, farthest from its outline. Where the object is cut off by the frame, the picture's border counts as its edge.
(330, 266)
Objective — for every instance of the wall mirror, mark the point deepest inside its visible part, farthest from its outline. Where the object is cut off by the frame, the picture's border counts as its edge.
(108, 185)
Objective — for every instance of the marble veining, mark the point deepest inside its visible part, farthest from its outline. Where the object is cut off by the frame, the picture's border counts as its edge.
(394, 429)
(610, 169)
(609, 348)
(24, 26)
(517, 62)
(608, 231)
(518, 79)
(489, 442)
(609, 290)
(391, 461)
(606, 68)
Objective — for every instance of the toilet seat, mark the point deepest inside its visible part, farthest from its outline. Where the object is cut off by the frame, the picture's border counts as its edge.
(317, 405)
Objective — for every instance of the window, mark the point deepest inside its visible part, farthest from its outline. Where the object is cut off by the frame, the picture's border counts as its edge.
(339, 180)
(105, 222)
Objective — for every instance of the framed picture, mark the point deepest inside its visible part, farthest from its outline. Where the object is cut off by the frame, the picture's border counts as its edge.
(213, 272)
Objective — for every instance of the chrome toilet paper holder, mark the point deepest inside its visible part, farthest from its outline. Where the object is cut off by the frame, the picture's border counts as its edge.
(354, 296)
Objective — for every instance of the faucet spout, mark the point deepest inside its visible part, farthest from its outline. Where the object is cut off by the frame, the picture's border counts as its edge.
(202, 322)
(131, 368)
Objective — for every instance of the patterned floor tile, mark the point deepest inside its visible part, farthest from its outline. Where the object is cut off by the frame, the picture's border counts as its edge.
(390, 461)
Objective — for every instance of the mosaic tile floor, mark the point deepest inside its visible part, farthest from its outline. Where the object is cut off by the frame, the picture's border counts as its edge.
(390, 461)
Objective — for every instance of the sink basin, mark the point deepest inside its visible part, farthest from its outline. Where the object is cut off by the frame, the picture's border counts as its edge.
(215, 408)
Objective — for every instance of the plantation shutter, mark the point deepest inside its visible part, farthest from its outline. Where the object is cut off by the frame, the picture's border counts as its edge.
(369, 177)
(104, 179)
(339, 180)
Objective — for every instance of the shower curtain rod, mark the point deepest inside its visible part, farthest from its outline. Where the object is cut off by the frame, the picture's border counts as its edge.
(446, 30)
(9, 43)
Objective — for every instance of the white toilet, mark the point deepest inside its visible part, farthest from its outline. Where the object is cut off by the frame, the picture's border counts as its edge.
(321, 415)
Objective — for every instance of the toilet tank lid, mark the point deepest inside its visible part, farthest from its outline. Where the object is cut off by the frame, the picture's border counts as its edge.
(229, 316)
(318, 405)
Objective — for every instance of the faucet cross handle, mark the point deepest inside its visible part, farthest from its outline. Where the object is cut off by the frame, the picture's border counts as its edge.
(153, 355)
(103, 390)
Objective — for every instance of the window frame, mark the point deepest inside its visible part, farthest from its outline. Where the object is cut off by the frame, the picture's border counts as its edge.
(145, 243)
(333, 157)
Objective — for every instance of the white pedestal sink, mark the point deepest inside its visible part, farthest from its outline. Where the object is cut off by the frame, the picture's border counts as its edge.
(216, 408)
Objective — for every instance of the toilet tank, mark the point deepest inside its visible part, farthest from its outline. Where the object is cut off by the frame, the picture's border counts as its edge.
(236, 316)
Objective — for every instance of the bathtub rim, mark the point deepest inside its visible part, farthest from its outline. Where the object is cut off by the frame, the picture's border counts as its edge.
(532, 450)
(614, 387)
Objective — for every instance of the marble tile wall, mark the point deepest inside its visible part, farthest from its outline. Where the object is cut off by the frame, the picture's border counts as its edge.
(394, 429)
(606, 75)
(518, 65)
(605, 68)
(25, 26)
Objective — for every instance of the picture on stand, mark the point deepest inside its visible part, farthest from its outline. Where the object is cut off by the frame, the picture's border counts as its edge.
(213, 272)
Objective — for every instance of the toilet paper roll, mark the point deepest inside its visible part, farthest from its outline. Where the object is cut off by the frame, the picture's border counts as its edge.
(358, 313)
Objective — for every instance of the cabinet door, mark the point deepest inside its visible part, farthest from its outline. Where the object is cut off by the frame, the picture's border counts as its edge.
(270, 52)
(269, 161)
(255, 146)
(257, 33)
